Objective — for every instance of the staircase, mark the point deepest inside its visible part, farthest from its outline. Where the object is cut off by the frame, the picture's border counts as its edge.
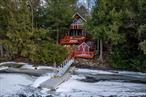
(62, 75)
(66, 65)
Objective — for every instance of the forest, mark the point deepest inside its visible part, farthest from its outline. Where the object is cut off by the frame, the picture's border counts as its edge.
(30, 29)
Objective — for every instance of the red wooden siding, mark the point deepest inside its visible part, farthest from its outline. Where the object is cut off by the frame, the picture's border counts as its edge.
(83, 51)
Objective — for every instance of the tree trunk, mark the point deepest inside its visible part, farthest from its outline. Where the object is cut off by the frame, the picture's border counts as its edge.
(57, 37)
(54, 65)
(1, 51)
(97, 46)
(32, 16)
(101, 50)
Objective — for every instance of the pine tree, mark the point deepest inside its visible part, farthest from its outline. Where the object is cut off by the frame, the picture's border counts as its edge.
(121, 26)
(106, 21)
(24, 40)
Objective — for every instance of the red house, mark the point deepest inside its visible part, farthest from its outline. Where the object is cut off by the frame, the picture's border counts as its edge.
(78, 36)
(76, 33)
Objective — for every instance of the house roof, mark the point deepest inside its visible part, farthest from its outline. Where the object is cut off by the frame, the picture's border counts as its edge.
(84, 43)
(79, 16)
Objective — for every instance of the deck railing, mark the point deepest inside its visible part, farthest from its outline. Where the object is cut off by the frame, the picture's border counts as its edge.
(76, 26)
(89, 54)
(72, 40)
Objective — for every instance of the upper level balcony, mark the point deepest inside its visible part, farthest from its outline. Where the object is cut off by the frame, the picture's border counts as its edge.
(76, 26)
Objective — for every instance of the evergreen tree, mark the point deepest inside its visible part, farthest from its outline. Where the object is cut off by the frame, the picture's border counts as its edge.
(24, 40)
(119, 23)
(105, 23)
(58, 16)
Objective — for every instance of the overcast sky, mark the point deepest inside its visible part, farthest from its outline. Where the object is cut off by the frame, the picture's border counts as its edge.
(87, 3)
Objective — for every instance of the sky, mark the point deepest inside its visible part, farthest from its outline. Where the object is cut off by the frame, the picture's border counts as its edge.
(86, 4)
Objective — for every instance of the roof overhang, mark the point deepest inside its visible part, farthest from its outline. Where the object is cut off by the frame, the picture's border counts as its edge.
(79, 16)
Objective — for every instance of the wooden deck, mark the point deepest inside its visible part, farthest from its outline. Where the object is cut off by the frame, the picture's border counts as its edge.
(87, 55)
(54, 82)
(72, 40)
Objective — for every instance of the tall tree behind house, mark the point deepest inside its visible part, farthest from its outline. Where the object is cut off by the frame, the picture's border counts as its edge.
(56, 16)
(116, 22)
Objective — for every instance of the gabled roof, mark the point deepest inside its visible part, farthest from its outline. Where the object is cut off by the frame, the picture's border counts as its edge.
(84, 43)
(79, 16)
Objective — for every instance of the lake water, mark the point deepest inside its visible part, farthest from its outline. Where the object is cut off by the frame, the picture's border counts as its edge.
(20, 85)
